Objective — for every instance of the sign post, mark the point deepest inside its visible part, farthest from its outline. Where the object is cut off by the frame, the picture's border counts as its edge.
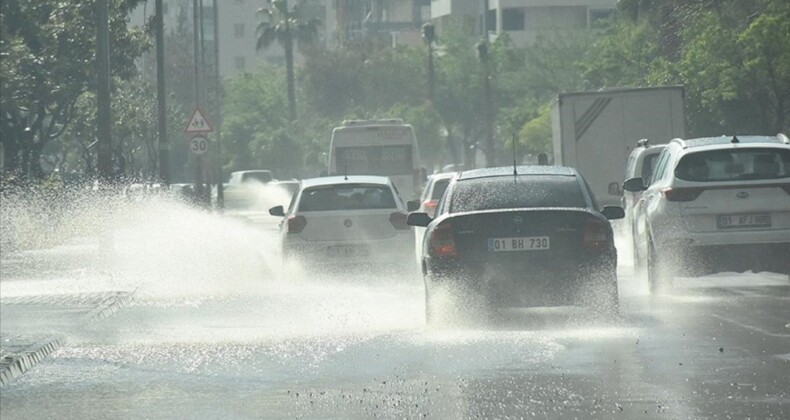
(198, 126)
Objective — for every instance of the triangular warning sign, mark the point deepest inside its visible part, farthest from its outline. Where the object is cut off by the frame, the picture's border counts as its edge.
(198, 123)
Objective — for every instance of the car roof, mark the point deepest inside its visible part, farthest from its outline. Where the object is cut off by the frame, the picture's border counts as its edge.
(441, 175)
(339, 180)
(520, 169)
(649, 149)
(252, 171)
(731, 140)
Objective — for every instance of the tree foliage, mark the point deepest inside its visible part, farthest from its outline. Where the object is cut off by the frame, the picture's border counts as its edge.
(48, 55)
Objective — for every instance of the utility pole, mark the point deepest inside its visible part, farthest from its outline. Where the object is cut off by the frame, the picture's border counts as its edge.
(429, 35)
(104, 117)
(218, 114)
(196, 87)
(490, 150)
(206, 198)
(164, 146)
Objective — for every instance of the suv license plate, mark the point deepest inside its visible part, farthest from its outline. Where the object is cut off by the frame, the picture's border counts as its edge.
(734, 221)
(527, 243)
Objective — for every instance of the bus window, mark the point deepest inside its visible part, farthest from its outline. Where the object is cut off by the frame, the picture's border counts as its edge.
(379, 160)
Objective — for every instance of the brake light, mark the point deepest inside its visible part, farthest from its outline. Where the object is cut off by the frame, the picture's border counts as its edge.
(398, 221)
(595, 237)
(681, 194)
(296, 224)
(430, 206)
(442, 242)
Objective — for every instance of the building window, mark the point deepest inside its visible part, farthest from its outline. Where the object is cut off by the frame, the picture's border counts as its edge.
(240, 63)
(512, 19)
(238, 30)
(599, 16)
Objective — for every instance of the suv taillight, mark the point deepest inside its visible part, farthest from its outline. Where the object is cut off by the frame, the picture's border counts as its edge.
(296, 224)
(681, 194)
(595, 237)
(430, 206)
(398, 221)
(442, 242)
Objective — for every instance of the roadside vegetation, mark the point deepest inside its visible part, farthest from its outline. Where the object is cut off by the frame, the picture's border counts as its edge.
(733, 56)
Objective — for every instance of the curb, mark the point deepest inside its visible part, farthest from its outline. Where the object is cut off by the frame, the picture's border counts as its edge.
(14, 365)
(109, 306)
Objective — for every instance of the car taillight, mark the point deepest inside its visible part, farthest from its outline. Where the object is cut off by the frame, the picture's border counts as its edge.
(595, 236)
(430, 206)
(442, 242)
(296, 224)
(398, 221)
(681, 194)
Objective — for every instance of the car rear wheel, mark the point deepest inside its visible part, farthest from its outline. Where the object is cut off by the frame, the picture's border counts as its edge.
(659, 270)
(430, 307)
(611, 303)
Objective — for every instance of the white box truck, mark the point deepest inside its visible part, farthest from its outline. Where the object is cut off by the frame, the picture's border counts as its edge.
(595, 132)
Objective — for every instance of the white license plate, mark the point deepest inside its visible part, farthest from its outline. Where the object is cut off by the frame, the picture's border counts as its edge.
(347, 251)
(527, 243)
(734, 221)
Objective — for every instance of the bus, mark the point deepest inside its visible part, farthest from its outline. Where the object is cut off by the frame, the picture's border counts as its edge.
(378, 147)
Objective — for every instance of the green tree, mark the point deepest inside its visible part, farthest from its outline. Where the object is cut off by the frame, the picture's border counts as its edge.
(285, 26)
(48, 50)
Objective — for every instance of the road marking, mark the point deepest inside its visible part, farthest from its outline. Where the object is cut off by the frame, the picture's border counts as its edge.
(751, 327)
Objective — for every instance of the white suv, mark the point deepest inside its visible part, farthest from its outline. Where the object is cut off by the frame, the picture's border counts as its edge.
(714, 204)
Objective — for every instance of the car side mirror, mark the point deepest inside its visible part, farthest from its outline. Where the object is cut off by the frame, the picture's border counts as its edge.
(614, 189)
(413, 205)
(277, 211)
(613, 212)
(418, 219)
(634, 185)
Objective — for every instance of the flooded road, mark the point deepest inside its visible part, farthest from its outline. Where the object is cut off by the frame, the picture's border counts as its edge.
(193, 316)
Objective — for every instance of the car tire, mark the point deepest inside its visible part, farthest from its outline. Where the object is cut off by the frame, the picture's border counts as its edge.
(659, 270)
(611, 304)
(430, 307)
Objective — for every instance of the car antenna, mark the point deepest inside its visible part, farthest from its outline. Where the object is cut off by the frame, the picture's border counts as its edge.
(735, 139)
(345, 172)
(515, 172)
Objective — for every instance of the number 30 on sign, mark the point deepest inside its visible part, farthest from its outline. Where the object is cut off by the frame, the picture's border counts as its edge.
(198, 145)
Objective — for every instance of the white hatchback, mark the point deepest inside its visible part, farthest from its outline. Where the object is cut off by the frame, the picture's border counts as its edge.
(340, 220)
(715, 204)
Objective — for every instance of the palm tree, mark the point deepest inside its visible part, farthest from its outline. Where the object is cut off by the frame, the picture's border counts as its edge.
(284, 28)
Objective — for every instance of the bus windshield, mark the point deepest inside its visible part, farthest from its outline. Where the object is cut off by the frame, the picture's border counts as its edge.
(374, 160)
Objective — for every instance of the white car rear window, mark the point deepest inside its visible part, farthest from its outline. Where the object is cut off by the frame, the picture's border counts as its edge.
(347, 197)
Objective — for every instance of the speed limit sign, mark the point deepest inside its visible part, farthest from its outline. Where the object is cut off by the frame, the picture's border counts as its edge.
(198, 145)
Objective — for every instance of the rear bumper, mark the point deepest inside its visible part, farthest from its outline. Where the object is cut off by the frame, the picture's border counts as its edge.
(561, 283)
(703, 258)
(395, 250)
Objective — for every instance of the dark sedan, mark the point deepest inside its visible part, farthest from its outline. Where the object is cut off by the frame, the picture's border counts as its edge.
(524, 236)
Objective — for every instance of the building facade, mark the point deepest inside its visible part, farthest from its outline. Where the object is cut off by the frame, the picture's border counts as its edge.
(523, 20)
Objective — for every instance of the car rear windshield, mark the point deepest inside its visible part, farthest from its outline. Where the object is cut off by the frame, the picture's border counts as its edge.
(734, 165)
(347, 197)
(503, 192)
(438, 188)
